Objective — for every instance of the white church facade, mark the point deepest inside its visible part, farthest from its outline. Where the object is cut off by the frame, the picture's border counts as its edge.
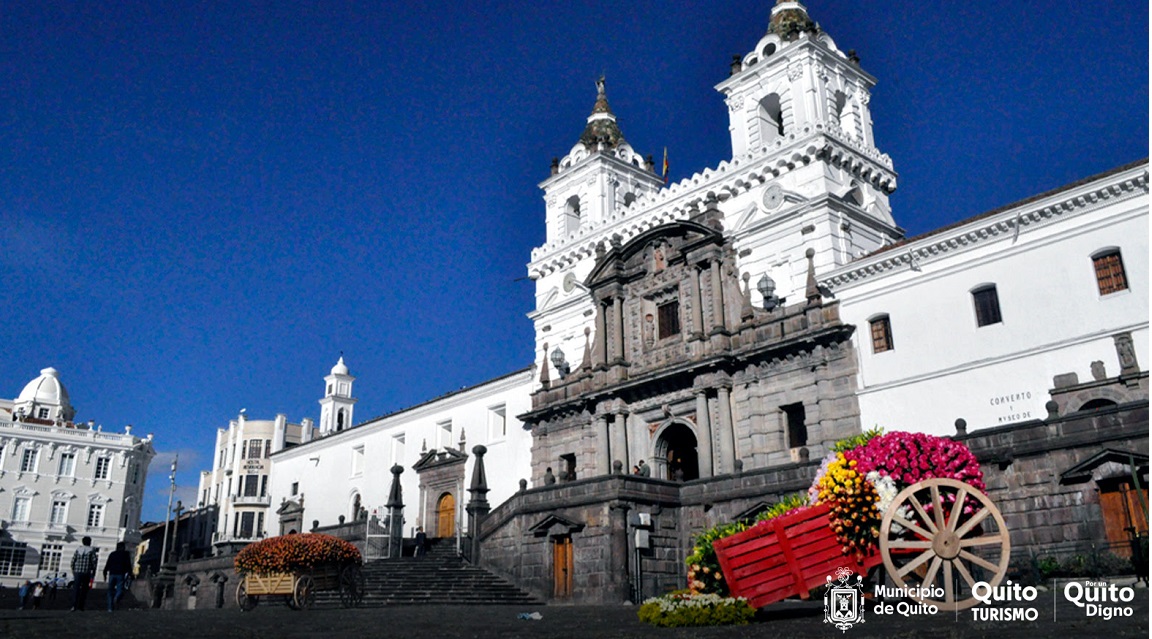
(975, 321)
(61, 481)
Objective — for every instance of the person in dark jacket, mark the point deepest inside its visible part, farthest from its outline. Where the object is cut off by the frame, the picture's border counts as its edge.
(116, 571)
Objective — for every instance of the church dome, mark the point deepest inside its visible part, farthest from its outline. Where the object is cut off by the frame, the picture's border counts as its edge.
(790, 19)
(340, 368)
(602, 127)
(45, 391)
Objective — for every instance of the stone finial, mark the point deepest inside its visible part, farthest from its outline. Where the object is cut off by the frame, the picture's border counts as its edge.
(738, 466)
(395, 493)
(736, 66)
(1053, 409)
(523, 485)
(340, 520)
(479, 487)
(961, 426)
(617, 467)
(545, 380)
(1126, 353)
(805, 454)
(463, 442)
(1065, 379)
(811, 290)
(746, 311)
(315, 524)
(555, 166)
(1098, 372)
(586, 362)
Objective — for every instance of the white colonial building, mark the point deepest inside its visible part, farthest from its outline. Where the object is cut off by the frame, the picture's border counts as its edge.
(237, 488)
(61, 481)
(978, 320)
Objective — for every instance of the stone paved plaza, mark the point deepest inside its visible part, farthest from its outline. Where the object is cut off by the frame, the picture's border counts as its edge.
(792, 620)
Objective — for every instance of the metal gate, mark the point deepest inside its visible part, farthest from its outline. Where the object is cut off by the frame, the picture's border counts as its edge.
(376, 538)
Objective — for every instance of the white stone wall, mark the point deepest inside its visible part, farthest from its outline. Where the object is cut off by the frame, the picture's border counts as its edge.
(1055, 321)
(325, 470)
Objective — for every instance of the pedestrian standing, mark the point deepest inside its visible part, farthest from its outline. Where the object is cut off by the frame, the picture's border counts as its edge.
(23, 592)
(116, 570)
(83, 572)
(37, 594)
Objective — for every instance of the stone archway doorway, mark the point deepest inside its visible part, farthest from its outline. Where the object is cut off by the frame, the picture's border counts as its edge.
(446, 516)
(676, 448)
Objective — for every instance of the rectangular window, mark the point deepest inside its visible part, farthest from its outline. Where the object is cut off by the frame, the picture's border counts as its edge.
(12, 554)
(28, 462)
(497, 423)
(881, 334)
(397, 449)
(50, 555)
(267, 448)
(95, 515)
(295, 488)
(42, 413)
(797, 429)
(358, 460)
(1110, 272)
(59, 511)
(445, 434)
(21, 508)
(247, 523)
(260, 524)
(67, 464)
(987, 305)
(668, 319)
(264, 486)
(103, 465)
(254, 446)
(251, 485)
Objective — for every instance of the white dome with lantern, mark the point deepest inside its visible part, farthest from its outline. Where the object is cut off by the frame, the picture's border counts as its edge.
(44, 398)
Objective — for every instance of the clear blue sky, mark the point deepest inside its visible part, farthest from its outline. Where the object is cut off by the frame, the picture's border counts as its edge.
(203, 203)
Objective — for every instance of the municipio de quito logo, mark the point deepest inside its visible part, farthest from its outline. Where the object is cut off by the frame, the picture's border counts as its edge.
(844, 600)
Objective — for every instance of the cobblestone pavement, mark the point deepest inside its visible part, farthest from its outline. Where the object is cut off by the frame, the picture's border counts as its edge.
(798, 619)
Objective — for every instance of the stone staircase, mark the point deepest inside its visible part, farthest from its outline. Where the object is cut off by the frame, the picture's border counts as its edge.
(440, 577)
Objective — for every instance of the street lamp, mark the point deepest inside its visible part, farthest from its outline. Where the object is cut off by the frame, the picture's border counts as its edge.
(767, 288)
(559, 363)
(171, 494)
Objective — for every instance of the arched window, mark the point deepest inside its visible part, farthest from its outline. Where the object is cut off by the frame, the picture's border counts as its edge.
(881, 334)
(839, 101)
(1110, 276)
(771, 119)
(987, 304)
(572, 215)
(340, 420)
(1098, 404)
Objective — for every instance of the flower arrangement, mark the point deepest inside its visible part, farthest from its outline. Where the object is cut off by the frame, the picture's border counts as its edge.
(293, 553)
(681, 608)
(861, 479)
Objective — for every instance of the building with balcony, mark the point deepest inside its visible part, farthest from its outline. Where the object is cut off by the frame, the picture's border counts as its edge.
(61, 481)
(236, 489)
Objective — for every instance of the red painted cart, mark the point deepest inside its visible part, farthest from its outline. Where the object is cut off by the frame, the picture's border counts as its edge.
(943, 549)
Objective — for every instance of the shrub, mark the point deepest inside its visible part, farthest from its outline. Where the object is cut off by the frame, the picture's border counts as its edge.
(295, 553)
(682, 609)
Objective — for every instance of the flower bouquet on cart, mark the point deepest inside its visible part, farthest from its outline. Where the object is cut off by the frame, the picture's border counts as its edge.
(296, 553)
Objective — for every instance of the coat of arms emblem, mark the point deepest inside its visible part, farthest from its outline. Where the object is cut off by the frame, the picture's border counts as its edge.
(844, 600)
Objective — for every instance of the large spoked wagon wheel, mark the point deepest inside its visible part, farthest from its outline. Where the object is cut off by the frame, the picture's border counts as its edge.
(304, 592)
(245, 601)
(943, 536)
(351, 586)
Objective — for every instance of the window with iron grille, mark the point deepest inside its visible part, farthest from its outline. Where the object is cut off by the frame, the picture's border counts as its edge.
(1110, 272)
(987, 305)
(881, 334)
(668, 319)
(103, 466)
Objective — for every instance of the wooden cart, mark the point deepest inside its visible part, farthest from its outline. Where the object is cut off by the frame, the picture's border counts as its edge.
(939, 534)
(299, 589)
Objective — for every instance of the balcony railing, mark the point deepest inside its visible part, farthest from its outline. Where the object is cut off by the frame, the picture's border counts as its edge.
(242, 500)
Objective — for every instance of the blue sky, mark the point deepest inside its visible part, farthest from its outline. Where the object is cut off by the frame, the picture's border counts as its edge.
(203, 204)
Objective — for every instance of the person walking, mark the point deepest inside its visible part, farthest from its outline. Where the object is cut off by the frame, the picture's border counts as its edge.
(83, 571)
(116, 570)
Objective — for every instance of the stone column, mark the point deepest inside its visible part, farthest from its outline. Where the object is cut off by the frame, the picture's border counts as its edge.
(717, 298)
(601, 355)
(727, 436)
(704, 433)
(618, 579)
(697, 305)
(395, 506)
(603, 446)
(477, 501)
(619, 437)
(618, 310)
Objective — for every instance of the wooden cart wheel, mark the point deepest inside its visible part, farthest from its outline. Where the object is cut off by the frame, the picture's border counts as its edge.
(351, 586)
(290, 601)
(304, 592)
(927, 540)
(245, 601)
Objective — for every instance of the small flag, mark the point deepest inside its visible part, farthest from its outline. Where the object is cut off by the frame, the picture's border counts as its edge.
(664, 174)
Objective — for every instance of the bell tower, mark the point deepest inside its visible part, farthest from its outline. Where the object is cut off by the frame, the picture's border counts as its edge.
(336, 407)
(590, 190)
(799, 106)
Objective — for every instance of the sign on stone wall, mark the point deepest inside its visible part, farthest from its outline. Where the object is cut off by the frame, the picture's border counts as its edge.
(1013, 407)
